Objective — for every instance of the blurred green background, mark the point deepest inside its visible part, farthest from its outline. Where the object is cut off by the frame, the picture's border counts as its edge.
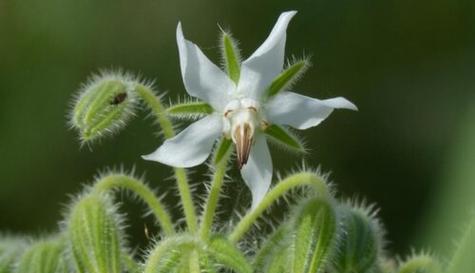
(408, 65)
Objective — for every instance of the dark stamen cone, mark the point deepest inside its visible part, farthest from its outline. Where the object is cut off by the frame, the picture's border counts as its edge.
(243, 140)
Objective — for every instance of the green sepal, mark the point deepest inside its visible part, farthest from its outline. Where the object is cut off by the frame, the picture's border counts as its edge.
(231, 57)
(190, 109)
(44, 257)
(225, 253)
(223, 147)
(95, 235)
(287, 77)
(284, 137)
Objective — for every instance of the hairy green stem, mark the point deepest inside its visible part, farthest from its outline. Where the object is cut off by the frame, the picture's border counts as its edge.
(300, 179)
(194, 262)
(145, 193)
(154, 103)
(213, 197)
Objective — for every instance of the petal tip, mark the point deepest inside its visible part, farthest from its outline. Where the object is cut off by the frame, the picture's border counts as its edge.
(351, 106)
(179, 31)
(148, 157)
(290, 13)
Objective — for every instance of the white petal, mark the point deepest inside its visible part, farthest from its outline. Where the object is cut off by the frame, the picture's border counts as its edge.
(303, 112)
(191, 146)
(257, 173)
(201, 77)
(258, 71)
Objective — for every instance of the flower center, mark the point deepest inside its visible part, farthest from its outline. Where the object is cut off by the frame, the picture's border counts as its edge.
(241, 118)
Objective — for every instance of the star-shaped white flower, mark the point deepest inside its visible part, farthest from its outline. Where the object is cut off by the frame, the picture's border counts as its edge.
(241, 111)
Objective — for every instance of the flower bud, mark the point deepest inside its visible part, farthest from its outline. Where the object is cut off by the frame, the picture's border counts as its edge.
(103, 105)
(43, 257)
(315, 232)
(94, 235)
(360, 242)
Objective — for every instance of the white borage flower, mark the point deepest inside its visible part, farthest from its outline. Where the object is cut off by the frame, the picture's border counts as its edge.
(245, 106)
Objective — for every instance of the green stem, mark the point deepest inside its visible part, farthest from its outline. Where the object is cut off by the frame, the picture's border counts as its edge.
(300, 179)
(145, 193)
(213, 197)
(154, 103)
(194, 262)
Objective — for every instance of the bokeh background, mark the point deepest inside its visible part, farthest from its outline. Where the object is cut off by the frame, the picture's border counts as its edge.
(408, 65)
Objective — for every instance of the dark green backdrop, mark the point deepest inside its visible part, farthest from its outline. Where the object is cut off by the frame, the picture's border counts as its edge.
(408, 65)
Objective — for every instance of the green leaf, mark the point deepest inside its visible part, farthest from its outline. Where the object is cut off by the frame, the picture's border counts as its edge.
(287, 77)
(225, 253)
(284, 137)
(190, 109)
(231, 57)
(224, 147)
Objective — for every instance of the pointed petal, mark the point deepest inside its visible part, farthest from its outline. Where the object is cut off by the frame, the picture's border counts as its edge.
(201, 77)
(191, 146)
(258, 71)
(257, 173)
(303, 112)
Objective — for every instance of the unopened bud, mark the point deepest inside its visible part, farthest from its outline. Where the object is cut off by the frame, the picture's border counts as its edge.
(315, 233)
(44, 257)
(360, 243)
(103, 105)
(94, 235)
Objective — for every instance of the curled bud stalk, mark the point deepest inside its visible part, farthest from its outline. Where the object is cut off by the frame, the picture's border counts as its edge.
(94, 235)
(44, 257)
(103, 105)
(360, 247)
